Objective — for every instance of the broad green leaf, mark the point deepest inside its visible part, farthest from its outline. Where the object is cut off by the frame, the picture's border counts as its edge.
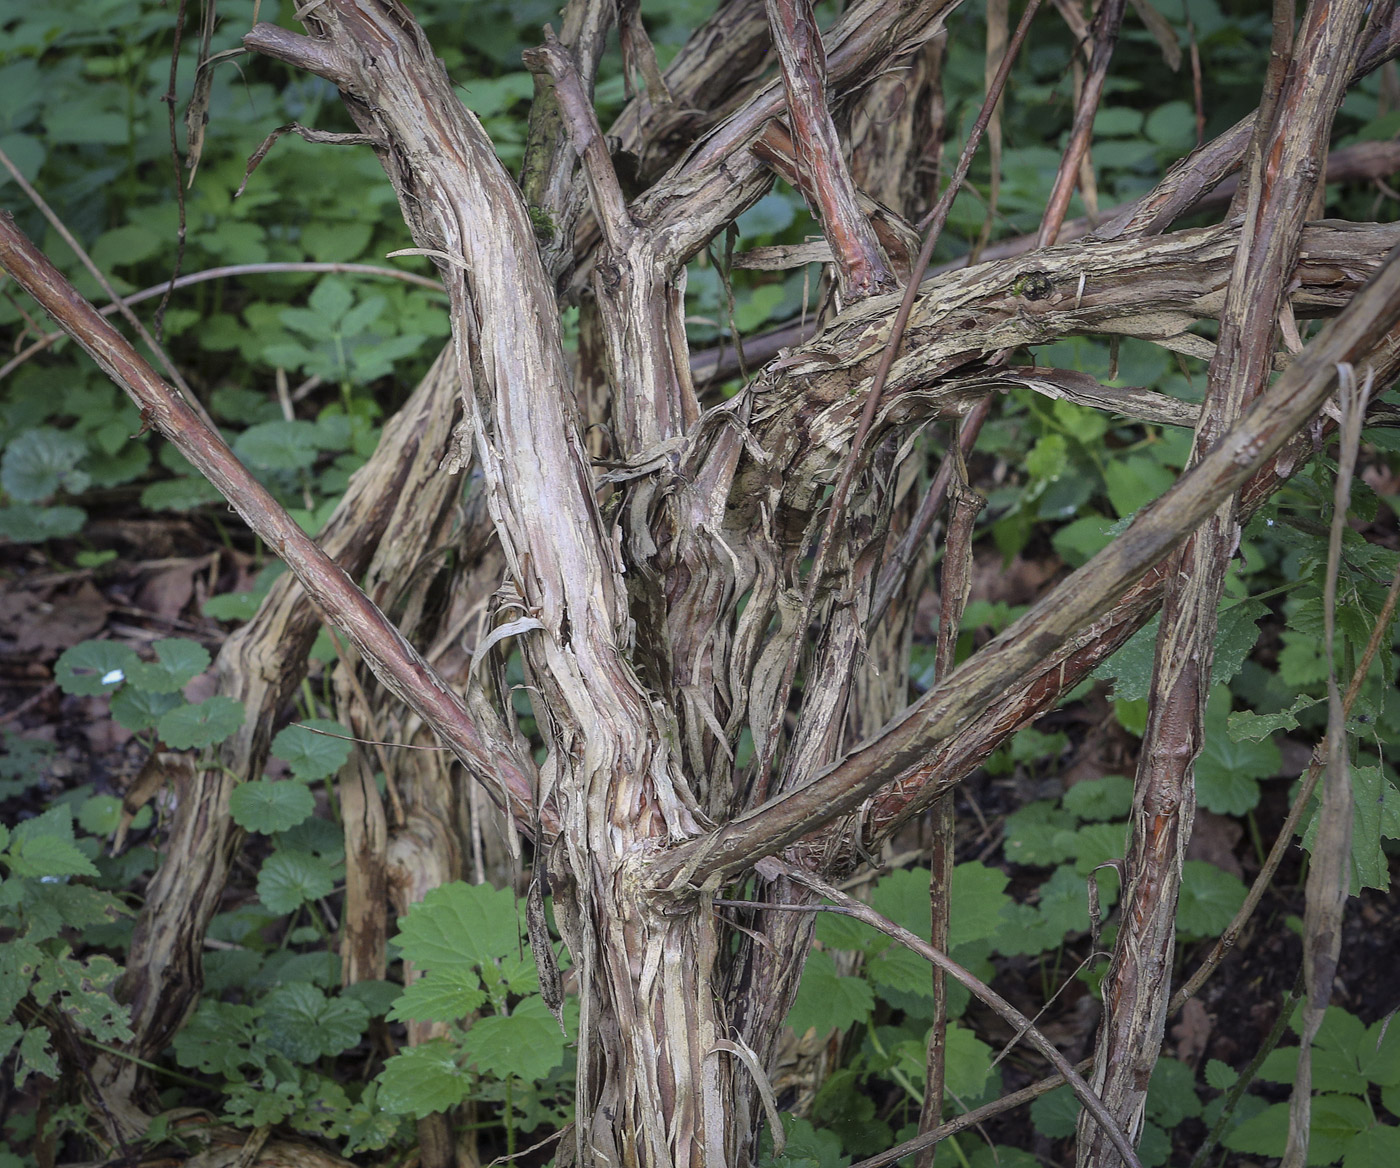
(977, 902)
(311, 755)
(28, 523)
(1135, 481)
(1210, 897)
(93, 668)
(44, 846)
(460, 925)
(289, 879)
(305, 1024)
(41, 462)
(19, 959)
(1171, 1095)
(182, 493)
(444, 995)
(100, 814)
(278, 445)
(211, 721)
(268, 807)
(139, 709)
(967, 1063)
(1040, 835)
(1056, 1114)
(423, 1080)
(1110, 797)
(1227, 771)
(1220, 1075)
(828, 1001)
(177, 662)
(1375, 1147)
(36, 1056)
(377, 997)
(1246, 725)
(526, 1043)
(215, 1039)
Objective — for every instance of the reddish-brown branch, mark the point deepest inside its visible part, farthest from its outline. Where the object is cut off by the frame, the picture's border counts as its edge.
(861, 267)
(395, 662)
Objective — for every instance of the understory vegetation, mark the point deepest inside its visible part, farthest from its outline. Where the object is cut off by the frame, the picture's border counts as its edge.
(368, 982)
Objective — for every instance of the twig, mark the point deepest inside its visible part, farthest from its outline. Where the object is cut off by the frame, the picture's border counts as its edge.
(849, 906)
(841, 493)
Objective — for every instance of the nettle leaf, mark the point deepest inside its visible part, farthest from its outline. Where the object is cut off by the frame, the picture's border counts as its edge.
(139, 709)
(92, 668)
(282, 445)
(1171, 1094)
(978, 900)
(177, 662)
(423, 1080)
(1246, 725)
(443, 995)
(289, 879)
(967, 1063)
(1227, 771)
(311, 755)
(461, 925)
(217, 1038)
(1376, 805)
(35, 1056)
(1221, 1075)
(827, 1001)
(1130, 668)
(27, 523)
(19, 959)
(268, 807)
(211, 721)
(80, 990)
(39, 463)
(526, 1043)
(304, 1024)
(1110, 797)
(45, 846)
(1210, 898)
(377, 997)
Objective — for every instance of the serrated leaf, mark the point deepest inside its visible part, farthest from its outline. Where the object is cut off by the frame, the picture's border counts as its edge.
(1056, 1114)
(38, 463)
(289, 879)
(215, 1039)
(139, 709)
(35, 1056)
(1210, 898)
(19, 959)
(177, 662)
(45, 846)
(967, 1062)
(423, 1080)
(1246, 725)
(1110, 797)
(526, 1043)
(100, 814)
(1221, 1075)
(1375, 803)
(1227, 771)
(460, 925)
(1171, 1094)
(444, 995)
(1039, 835)
(304, 1024)
(281, 445)
(1375, 1147)
(268, 807)
(93, 668)
(827, 1001)
(977, 900)
(211, 721)
(30, 523)
(311, 755)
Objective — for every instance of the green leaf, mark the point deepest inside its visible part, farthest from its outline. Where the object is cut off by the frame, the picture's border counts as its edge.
(526, 1043)
(423, 1080)
(1135, 481)
(213, 720)
(278, 445)
(19, 960)
(40, 462)
(304, 1024)
(1227, 771)
(268, 807)
(182, 493)
(1210, 898)
(827, 1001)
(1336, 1121)
(1040, 835)
(217, 1038)
(1375, 1147)
(178, 661)
(1172, 125)
(1110, 797)
(27, 523)
(460, 925)
(1171, 1094)
(93, 668)
(444, 995)
(36, 1056)
(289, 879)
(377, 997)
(100, 814)
(977, 902)
(139, 709)
(44, 846)
(1056, 1114)
(1220, 1075)
(1246, 725)
(311, 755)
(967, 1063)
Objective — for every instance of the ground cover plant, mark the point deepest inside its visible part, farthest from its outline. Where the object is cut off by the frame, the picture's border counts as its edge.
(739, 584)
